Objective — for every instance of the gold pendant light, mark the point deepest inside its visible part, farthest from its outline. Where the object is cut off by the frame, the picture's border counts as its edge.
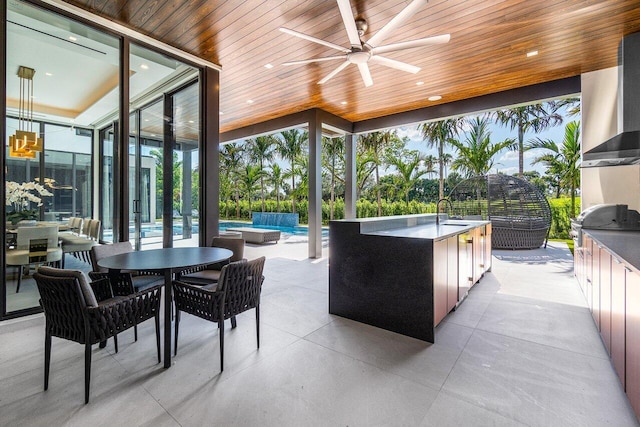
(25, 143)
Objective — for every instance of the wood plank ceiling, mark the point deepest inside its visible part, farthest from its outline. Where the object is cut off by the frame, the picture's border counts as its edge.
(486, 54)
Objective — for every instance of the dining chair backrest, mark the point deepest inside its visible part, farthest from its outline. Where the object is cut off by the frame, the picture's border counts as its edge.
(76, 224)
(85, 226)
(99, 252)
(27, 234)
(94, 229)
(234, 245)
(241, 282)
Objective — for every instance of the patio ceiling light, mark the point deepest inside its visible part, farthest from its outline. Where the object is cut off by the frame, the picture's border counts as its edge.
(434, 98)
(25, 143)
(532, 53)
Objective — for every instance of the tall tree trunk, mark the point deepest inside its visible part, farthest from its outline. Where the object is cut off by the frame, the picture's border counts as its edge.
(237, 204)
(441, 170)
(262, 185)
(278, 198)
(293, 189)
(379, 196)
(573, 201)
(520, 150)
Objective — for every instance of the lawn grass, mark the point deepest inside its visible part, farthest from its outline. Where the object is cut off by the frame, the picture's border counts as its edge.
(569, 243)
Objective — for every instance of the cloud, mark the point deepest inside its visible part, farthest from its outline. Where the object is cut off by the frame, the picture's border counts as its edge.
(411, 132)
(508, 171)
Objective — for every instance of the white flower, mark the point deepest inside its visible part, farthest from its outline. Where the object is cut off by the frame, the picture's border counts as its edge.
(20, 196)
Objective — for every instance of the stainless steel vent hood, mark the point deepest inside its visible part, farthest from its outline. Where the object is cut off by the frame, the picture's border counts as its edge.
(624, 148)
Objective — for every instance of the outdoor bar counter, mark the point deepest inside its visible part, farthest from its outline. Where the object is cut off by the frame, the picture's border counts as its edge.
(405, 273)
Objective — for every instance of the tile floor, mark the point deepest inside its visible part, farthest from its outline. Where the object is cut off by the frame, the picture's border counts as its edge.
(521, 350)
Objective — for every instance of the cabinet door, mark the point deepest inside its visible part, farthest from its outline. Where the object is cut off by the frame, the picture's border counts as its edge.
(465, 265)
(595, 306)
(633, 339)
(452, 273)
(605, 298)
(487, 247)
(588, 270)
(440, 284)
(617, 317)
(478, 255)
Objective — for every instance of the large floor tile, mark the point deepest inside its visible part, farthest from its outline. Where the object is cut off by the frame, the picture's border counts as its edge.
(556, 327)
(420, 361)
(307, 385)
(538, 385)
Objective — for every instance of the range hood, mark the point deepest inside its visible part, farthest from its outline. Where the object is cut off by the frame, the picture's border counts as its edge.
(624, 148)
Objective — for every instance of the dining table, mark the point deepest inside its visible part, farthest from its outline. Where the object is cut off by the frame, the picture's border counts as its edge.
(167, 261)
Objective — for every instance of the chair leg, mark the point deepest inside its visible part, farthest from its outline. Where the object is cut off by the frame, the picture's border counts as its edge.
(233, 322)
(258, 324)
(177, 328)
(47, 358)
(157, 316)
(62, 261)
(87, 371)
(221, 333)
(115, 341)
(20, 271)
(135, 332)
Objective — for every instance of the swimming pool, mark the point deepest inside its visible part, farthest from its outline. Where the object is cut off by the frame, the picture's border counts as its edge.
(294, 231)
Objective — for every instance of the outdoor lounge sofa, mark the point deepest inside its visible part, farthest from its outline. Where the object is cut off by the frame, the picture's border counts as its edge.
(257, 235)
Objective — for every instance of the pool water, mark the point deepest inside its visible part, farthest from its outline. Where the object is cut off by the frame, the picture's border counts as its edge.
(295, 231)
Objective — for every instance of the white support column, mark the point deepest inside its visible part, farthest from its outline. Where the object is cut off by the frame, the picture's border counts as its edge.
(315, 187)
(350, 176)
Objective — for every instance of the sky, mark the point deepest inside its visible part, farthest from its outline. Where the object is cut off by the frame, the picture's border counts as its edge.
(505, 162)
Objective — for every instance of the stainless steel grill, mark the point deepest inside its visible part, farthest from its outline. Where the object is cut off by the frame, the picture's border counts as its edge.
(605, 217)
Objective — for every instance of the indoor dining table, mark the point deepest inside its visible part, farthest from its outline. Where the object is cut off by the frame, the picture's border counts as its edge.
(168, 261)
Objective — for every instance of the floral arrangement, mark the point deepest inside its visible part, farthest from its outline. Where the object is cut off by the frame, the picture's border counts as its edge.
(20, 197)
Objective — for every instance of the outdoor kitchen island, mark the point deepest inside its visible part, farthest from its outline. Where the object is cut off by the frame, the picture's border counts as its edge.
(405, 273)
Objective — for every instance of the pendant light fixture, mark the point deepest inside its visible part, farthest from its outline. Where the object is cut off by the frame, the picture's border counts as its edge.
(25, 143)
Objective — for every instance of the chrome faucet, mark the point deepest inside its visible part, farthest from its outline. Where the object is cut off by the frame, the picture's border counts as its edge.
(438, 209)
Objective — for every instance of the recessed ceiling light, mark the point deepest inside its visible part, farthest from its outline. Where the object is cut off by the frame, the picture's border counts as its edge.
(434, 98)
(190, 121)
(146, 120)
(268, 66)
(153, 134)
(419, 83)
(144, 66)
(72, 38)
(344, 103)
(249, 101)
(221, 113)
(48, 74)
(532, 53)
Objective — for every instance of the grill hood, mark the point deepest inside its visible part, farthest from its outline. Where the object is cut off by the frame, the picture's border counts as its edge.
(624, 148)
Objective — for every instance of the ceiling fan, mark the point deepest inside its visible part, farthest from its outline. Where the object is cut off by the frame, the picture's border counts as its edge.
(362, 52)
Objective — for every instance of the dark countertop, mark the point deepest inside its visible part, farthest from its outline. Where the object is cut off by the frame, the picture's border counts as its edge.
(431, 231)
(625, 245)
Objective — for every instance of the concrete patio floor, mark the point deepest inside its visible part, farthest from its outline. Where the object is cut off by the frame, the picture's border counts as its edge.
(522, 349)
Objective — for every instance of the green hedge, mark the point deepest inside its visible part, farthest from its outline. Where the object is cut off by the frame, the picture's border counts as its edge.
(560, 211)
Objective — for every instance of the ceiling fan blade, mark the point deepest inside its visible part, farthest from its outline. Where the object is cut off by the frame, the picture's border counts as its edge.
(349, 23)
(366, 74)
(398, 20)
(310, 61)
(394, 64)
(334, 72)
(314, 39)
(411, 44)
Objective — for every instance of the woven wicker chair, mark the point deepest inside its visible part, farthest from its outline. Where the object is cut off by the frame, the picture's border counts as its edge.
(139, 280)
(74, 312)
(520, 214)
(206, 275)
(237, 291)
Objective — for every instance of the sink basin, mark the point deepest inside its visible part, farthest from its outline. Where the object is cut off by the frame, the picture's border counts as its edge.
(454, 225)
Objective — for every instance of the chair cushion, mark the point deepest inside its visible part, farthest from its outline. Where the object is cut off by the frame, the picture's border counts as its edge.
(89, 296)
(206, 276)
(140, 283)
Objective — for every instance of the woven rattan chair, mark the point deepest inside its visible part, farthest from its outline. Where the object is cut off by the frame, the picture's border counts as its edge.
(237, 291)
(139, 280)
(74, 312)
(519, 212)
(210, 274)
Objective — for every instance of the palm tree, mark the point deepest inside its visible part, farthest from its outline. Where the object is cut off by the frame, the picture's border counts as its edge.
(409, 172)
(439, 134)
(447, 158)
(564, 160)
(429, 163)
(290, 143)
(230, 164)
(332, 150)
(572, 104)
(364, 168)
(379, 145)
(276, 179)
(475, 155)
(249, 179)
(259, 150)
(523, 118)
